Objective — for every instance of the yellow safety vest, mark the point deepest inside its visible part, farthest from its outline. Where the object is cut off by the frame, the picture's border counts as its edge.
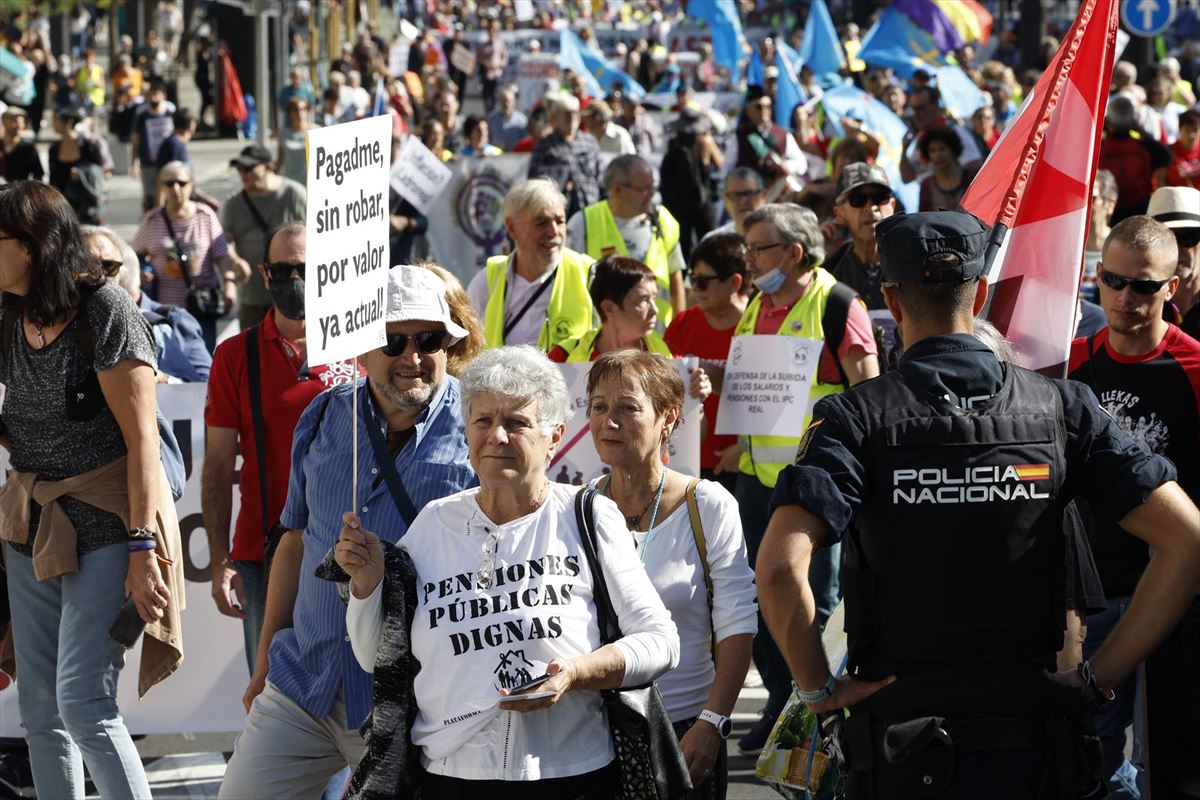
(764, 457)
(570, 311)
(579, 351)
(602, 237)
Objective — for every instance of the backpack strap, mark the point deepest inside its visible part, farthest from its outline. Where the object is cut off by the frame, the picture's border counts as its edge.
(702, 548)
(833, 322)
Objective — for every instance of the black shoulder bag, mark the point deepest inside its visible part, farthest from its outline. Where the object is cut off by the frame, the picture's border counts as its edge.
(387, 464)
(649, 760)
(204, 302)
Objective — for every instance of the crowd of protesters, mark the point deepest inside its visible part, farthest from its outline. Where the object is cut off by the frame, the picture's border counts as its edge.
(642, 232)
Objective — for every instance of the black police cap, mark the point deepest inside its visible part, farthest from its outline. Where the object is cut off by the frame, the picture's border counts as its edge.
(908, 244)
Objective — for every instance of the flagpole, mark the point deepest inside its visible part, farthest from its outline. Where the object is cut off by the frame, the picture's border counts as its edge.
(354, 437)
(990, 251)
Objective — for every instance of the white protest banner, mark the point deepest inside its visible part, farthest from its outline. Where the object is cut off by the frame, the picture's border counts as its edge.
(577, 462)
(466, 224)
(766, 386)
(409, 31)
(534, 71)
(205, 693)
(348, 233)
(523, 10)
(419, 175)
(463, 59)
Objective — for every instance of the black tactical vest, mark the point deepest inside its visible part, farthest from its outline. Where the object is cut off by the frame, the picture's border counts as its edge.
(955, 556)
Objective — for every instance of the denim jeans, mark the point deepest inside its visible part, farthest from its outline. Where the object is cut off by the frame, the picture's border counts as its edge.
(68, 666)
(754, 502)
(255, 596)
(1123, 778)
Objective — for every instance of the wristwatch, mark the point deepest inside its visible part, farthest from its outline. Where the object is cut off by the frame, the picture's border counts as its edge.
(724, 725)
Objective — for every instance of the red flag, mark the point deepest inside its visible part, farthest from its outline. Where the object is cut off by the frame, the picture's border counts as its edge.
(1036, 187)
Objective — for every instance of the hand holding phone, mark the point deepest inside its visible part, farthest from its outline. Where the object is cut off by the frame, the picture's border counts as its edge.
(530, 684)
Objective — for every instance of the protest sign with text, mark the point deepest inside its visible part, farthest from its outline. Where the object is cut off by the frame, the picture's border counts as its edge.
(577, 461)
(348, 231)
(766, 386)
(419, 175)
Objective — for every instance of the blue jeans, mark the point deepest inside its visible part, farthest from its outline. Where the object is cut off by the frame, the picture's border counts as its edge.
(68, 666)
(255, 595)
(754, 502)
(1123, 778)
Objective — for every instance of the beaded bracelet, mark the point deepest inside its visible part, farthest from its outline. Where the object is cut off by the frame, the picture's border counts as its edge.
(142, 544)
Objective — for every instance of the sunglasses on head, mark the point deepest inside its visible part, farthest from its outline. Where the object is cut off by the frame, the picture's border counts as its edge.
(858, 199)
(1187, 237)
(279, 271)
(1139, 285)
(702, 282)
(426, 341)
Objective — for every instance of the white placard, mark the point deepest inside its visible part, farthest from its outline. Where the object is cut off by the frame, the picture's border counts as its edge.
(409, 31)
(419, 175)
(347, 238)
(205, 693)
(577, 462)
(766, 386)
(462, 58)
(534, 70)
(523, 9)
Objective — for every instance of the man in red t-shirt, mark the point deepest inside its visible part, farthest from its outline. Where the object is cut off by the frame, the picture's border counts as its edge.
(288, 384)
(1185, 169)
(1146, 374)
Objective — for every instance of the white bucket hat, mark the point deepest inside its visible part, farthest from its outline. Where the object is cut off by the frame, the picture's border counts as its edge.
(1176, 206)
(415, 293)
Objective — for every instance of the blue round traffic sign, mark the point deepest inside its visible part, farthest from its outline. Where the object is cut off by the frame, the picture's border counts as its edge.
(1147, 17)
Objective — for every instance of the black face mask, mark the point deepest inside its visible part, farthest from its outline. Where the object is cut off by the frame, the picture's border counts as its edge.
(288, 297)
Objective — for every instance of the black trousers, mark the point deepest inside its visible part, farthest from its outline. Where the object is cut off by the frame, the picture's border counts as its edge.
(598, 785)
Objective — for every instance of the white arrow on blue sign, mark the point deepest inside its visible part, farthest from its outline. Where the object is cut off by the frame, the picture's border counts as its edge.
(1147, 17)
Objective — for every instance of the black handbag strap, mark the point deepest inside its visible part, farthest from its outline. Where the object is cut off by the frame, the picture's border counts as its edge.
(262, 223)
(512, 323)
(387, 464)
(183, 268)
(254, 368)
(585, 518)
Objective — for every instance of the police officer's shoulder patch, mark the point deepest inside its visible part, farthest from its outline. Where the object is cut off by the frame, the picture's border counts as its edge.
(806, 440)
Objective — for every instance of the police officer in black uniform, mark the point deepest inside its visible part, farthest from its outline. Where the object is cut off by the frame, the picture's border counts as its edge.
(946, 480)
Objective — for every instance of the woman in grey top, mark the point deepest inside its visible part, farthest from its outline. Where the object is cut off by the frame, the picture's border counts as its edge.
(76, 402)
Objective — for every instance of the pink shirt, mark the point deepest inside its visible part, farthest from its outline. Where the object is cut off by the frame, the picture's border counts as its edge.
(859, 333)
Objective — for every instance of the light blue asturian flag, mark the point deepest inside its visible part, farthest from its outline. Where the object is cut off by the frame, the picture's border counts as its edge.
(820, 48)
(725, 26)
(599, 77)
(788, 93)
(380, 106)
(880, 121)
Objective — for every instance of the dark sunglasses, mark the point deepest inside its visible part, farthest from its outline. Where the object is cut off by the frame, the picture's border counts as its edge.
(176, 183)
(279, 271)
(111, 268)
(426, 341)
(1187, 237)
(860, 199)
(1139, 285)
(702, 282)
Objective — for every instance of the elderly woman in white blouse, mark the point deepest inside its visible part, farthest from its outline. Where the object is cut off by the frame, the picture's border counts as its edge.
(634, 404)
(504, 595)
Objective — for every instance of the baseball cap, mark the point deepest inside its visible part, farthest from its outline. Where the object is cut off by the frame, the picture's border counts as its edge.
(908, 241)
(415, 293)
(14, 111)
(252, 156)
(1176, 206)
(859, 174)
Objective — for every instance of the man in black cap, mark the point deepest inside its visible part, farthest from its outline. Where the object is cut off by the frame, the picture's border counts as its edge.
(266, 202)
(864, 198)
(945, 480)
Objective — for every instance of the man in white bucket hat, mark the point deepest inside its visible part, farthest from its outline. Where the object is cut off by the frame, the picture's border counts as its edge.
(1178, 207)
(308, 696)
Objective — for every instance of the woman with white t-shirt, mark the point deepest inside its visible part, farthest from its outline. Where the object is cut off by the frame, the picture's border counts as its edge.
(689, 536)
(504, 595)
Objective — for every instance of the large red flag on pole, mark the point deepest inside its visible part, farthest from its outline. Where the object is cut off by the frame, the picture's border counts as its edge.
(1036, 189)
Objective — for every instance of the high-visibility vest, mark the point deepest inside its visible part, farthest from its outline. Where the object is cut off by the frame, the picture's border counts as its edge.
(579, 351)
(764, 457)
(570, 311)
(603, 238)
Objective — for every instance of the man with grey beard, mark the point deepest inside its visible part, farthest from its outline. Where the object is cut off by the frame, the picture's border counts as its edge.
(308, 696)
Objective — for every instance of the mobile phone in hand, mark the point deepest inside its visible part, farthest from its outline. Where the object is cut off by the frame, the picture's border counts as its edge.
(525, 687)
(128, 625)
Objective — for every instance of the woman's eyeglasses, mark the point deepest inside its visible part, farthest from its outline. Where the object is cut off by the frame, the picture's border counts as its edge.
(1139, 285)
(279, 271)
(111, 268)
(701, 282)
(426, 341)
(485, 575)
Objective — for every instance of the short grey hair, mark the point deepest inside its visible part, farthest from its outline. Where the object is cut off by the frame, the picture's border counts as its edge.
(521, 373)
(535, 193)
(744, 174)
(621, 168)
(560, 102)
(795, 225)
(130, 276)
